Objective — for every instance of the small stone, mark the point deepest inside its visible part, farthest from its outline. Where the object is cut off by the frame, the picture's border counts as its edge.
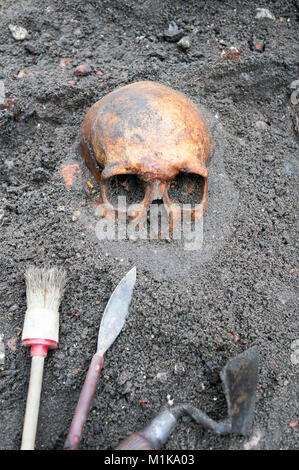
(13, 308)
(294, 85)
(2, 91)
(261, 125)
(76, 215)
(170, 400)
(18, 33)
(268, 158)
(162, 377)
(82, 70)
(127, 387)
(12, 107)
(173, 33)
(2, 351)
(288, 168)
(31, 48)
(258, 45)
(96, 428)
(124, 377)
(39, 175)
(179, 369)
(184, 43)
(231, 54)
(295, 93)
(12, 344)
(295, 352)
(23, 73)
(264, 13)
(78, 33)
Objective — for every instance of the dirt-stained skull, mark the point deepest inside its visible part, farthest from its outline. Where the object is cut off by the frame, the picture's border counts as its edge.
(153, 132)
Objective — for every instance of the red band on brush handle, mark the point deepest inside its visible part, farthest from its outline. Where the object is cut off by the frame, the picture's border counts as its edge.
(39, 346)
(84, 402)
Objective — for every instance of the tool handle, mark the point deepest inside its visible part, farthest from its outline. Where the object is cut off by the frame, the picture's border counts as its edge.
(135, 442)
(32, 404)
(154, 435)
(84, 402)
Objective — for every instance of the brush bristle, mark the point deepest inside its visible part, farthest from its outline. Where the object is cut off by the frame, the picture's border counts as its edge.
(44, 287)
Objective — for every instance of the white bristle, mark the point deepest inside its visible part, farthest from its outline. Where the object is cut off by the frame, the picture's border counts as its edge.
(44, 287)
(44, 290)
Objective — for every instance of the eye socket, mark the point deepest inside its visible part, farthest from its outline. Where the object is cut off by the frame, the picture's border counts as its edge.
(128, 186)
(186, 188)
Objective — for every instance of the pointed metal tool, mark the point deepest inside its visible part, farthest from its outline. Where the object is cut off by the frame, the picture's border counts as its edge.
(239, 378)
(111, 325)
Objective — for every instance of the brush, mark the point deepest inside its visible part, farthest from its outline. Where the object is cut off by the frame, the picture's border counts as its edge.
(44, 290)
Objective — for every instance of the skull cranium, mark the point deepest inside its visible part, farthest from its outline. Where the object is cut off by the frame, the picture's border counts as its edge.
(151, 131)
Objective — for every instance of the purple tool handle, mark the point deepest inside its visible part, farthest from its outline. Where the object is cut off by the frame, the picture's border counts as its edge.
(84, 402)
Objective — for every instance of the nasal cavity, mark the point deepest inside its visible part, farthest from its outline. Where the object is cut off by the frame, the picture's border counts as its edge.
(159, 202)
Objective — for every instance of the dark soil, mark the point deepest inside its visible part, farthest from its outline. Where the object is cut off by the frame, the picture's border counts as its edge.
(192, 310)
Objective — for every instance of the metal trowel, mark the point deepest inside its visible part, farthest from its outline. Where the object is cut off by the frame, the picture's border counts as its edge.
(111, 325)
(239, 378)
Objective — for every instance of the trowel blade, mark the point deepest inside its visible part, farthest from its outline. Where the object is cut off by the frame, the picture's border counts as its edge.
(116, 312)
(239, 377)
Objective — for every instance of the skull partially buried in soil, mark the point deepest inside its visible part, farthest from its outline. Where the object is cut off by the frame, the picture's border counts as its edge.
(150, 131)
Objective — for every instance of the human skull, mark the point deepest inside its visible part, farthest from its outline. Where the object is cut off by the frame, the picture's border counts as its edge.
(153, 132)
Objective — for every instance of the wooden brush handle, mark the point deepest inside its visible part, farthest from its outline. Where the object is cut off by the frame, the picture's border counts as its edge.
(33, 401)
(84, 402)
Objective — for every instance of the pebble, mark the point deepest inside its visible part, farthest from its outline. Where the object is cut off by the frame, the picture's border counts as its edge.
(294, 84)
(173, 33)
(31, 48)
(184, 43)
(124, 377)
(288, 168)
(179, 369)
(170, 400)
(13, 308)
(268, 158)
(2, 351)
(12, 343)
(127, 387)
(18, 33)
(23, 73)
(162, 377)
(295, 352)
(96, 428)
(295, 94)
(258, 45)
(264, 13)
(82, 70)
(39, 175)
(261, 125)
(231, 53)
(76, 215)
(2, 91)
